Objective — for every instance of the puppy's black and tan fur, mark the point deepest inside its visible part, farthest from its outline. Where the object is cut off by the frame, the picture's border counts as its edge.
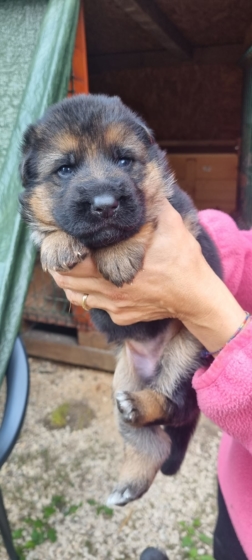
(94, 182)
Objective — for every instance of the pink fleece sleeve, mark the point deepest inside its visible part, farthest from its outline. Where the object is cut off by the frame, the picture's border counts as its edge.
(224, 390)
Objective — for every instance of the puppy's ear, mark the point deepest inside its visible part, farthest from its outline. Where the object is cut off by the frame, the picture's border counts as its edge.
(146, 133)
(149, 133)
(27, 165)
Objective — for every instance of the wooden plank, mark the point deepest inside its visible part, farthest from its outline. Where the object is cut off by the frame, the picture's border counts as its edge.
(216, 189)
(79, 78)
(149, 16)
(219, 54)
(45, 302)
(208, 166)
(210, 179)
(93, 339)
(64, 348)
(227, 54)
(185, 145)
(178, 164)
(191, 166)
(217, 166)
(227, 207)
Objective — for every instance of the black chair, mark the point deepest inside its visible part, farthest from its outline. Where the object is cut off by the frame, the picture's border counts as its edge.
(17, 382)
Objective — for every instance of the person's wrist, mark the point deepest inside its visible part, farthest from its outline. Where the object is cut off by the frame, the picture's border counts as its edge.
(217, 327)
(214, 315)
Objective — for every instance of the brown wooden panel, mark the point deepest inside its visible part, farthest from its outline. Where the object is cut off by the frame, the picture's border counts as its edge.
(223, 206)
(210, 179)
(224, 54)
(178, 164)
(183, 102)
(209, 166)
(93, 339)
(63, 348)
(212, 22)
(191, 167)
(148, 16)
(215, 190)
(217, 166)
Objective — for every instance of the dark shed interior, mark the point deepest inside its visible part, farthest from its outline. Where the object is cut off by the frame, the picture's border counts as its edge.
(179, 64)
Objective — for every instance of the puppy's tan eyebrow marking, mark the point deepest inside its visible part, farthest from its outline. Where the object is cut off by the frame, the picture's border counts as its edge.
(66, 142)
(115, 134)
(61, 151)
(52, 160)
(118, 136)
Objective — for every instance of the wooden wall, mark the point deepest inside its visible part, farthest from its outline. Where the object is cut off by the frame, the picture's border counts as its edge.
(210, 179)
(184, 102)
(187, 103)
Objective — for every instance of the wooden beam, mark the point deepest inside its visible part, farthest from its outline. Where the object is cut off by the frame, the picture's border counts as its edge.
(149, 16)
(64, 348)
(79, 79)
(218, 54)
(194, 146)
(226, 54)
(230, 144)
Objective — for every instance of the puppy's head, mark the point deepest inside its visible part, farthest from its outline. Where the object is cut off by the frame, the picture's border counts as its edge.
(92, 169)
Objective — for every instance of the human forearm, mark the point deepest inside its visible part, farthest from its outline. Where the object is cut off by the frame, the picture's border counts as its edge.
(215, 315)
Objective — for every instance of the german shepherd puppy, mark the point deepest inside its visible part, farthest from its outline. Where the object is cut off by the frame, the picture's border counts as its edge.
(94, 181)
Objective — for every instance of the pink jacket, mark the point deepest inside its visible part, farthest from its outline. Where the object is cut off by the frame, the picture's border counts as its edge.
(224, 390)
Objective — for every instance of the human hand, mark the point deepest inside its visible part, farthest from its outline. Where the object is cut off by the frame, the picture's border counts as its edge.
(165, 287)
(175, 281)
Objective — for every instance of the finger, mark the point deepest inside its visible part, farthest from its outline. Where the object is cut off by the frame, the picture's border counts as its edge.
(91, 302)
(80, 284)
(121, 317)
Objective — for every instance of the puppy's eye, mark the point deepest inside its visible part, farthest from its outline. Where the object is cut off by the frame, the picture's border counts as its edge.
(65, 171)
(124, 162)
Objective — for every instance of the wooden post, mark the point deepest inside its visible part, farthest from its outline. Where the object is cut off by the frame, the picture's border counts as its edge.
(79, 78)
(245, 167)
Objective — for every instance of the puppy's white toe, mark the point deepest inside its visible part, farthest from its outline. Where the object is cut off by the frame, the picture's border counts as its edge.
(122, 497)
(125, 405)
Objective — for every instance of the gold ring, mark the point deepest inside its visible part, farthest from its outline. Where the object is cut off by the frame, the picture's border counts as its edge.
(84, 302)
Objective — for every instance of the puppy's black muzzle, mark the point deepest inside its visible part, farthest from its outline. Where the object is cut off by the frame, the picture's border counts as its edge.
(100, 213)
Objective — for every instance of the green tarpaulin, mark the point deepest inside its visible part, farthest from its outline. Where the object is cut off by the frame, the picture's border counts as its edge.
(36, 47)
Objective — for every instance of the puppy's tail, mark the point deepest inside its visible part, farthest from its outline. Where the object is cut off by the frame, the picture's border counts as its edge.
(180, 437)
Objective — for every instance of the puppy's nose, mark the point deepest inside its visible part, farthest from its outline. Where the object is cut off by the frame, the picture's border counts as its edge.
(104, 205)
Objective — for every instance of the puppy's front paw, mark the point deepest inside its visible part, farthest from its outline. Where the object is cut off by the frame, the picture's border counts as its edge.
(127, 406)
(60, 251)
(121, 263)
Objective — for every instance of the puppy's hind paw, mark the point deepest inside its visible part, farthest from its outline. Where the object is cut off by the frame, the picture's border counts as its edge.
(127, 407)
(125, 493)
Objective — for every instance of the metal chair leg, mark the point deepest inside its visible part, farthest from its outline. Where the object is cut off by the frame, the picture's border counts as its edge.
(6, 531)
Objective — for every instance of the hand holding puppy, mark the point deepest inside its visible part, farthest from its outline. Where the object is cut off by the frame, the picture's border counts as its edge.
(175, 281)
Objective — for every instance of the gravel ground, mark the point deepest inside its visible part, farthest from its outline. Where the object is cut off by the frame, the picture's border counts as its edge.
(81, 467)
